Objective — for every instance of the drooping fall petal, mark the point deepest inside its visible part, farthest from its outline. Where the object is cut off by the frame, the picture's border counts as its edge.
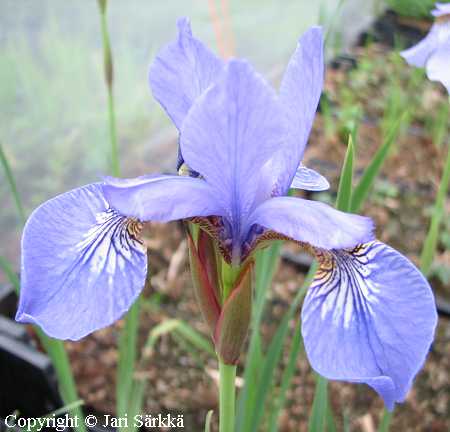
(313, 222)
(162, 198)
(369, 316)
(82, 264)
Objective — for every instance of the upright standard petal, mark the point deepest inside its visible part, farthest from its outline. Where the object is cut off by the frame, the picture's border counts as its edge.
(82, 264)
(181, 72)
(313, 222)
(369, 316)
(438, 65)
(308, 179)
(300, 93)
(162, 198)
(229, 134)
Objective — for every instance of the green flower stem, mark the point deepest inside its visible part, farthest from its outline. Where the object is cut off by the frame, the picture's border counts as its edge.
(109, 79)
(227, 395)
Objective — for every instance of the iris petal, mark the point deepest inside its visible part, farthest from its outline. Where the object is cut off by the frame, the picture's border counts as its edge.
(230, 133)
(438, 66)
(181, 72)
(82, 264)
(300, 93)
(313, 222)
(418, 54)
(441, 9)
(308, 179)
(369, 317)
(162, 198)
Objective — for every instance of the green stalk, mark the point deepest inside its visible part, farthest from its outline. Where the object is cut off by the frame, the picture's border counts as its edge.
(431, 241)
(385, 421)
(109, 79)
(12, 185)
(128, 336)
(227, 396)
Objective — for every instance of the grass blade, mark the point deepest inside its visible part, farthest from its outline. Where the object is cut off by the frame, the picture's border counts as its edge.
(12, 185)
(10, 274)
(318, 418)
(183, 329)
(208, 421)
(321, 411)
(286, 379)
(431, 240)
(127, 359)
(344, 195)
(266, 264)
(331, 426)
(264, 384)
(361, 191)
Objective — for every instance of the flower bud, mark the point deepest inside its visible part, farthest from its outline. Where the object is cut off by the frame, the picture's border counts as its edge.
(227, 313)
(232, 326)
(205, 287)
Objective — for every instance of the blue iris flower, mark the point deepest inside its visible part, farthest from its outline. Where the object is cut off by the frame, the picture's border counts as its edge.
(433, 52)
(369, 315)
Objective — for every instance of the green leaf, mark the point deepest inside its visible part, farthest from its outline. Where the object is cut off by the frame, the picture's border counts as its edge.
(288, 373)
(268, 368)
(208, 421)
(10, 274)
(12, 185)
(127, 359)
(344, 195)
(184, 330)
(362, 189)
(58, 412)
(431, 240)
(266, 264)
(318, 417)
(331, 426)
(321, 411)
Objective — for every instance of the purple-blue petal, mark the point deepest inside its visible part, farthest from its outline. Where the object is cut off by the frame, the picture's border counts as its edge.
(82, 266)
(162, 198)
(313, 222)
(441, 9)
(437, 39)
(308, 179)
(418, 54)
(369, 316)
(181, 72)
(230, 133)
(438, 65)
(300, 93)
